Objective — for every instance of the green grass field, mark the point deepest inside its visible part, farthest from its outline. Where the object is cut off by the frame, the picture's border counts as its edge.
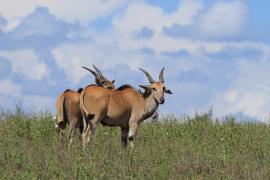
(197, 148)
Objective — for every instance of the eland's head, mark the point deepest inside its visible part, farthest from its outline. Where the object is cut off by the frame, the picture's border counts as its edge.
(100, 79)
(156, 88)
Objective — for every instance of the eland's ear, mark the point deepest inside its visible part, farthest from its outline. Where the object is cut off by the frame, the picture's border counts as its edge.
(168, 91)
(144, 87)
(102, 82)
(113, 81)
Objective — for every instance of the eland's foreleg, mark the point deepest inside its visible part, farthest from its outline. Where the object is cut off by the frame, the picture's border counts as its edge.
(124, 136)
(132, 133)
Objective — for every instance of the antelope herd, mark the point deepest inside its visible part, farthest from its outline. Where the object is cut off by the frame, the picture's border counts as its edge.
(102, 103)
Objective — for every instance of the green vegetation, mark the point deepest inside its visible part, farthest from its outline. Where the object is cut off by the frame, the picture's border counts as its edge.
(197, 148)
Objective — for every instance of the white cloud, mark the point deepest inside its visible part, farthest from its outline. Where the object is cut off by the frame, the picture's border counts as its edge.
(221, 20)
(224, 19)
(161, 43)
(9, 88)
(11, 24)
(37, 103)
(11, 95)
(249, 92)
(29, 103)
(83, 11)
(70, 57)
(153, 17)
(186, 13)
(132, 20)
(26, 62)
(17, 9)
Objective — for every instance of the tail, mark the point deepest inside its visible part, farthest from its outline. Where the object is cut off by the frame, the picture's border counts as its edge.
(83, 109)
(61, 113)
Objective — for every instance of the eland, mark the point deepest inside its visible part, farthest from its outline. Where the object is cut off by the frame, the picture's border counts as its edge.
(125, 107)
(68, 106)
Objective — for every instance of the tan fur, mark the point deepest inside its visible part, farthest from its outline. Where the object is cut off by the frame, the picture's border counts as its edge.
(68, 112)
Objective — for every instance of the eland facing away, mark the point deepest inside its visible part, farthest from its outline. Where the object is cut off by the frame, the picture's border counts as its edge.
(125, 107)
(68, 106)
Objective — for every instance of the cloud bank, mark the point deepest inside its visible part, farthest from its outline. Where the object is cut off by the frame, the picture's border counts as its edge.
(208, 58)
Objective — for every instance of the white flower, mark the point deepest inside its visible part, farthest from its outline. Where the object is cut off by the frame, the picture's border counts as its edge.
(56, 126)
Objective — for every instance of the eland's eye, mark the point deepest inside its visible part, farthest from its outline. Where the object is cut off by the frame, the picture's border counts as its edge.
(154, 89)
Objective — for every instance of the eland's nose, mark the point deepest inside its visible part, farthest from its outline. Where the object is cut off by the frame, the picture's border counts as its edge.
(162, 100)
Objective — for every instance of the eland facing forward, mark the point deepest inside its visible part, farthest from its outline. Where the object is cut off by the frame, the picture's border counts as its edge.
(125, 107)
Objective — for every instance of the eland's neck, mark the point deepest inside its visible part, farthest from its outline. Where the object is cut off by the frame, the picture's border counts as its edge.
(150, 106)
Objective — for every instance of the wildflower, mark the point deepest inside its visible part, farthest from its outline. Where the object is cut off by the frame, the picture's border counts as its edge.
(56, 126)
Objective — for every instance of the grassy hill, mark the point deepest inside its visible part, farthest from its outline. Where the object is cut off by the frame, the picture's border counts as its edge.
(197, 148)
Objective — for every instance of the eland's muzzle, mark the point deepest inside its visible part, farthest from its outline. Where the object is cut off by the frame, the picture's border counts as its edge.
(162, 100)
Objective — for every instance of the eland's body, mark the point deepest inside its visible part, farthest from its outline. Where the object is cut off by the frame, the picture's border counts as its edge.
(69, 112)
(68, 106)
(125, 107)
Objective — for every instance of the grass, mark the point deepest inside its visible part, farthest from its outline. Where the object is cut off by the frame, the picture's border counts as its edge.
(197, 148)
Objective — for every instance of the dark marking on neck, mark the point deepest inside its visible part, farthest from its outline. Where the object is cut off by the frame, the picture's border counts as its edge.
(80, 90)
(67, 90)
(125, 86)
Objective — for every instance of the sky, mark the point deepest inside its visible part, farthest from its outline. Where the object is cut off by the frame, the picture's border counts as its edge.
(216, 54)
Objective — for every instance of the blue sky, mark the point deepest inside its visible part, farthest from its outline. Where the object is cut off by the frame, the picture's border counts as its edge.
(215, 53)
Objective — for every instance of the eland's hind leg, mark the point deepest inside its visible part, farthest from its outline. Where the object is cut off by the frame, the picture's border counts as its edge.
(90, 129)
(61, 135)
(80, 132)
(70, 137)
(72, 130)
(86, 126)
